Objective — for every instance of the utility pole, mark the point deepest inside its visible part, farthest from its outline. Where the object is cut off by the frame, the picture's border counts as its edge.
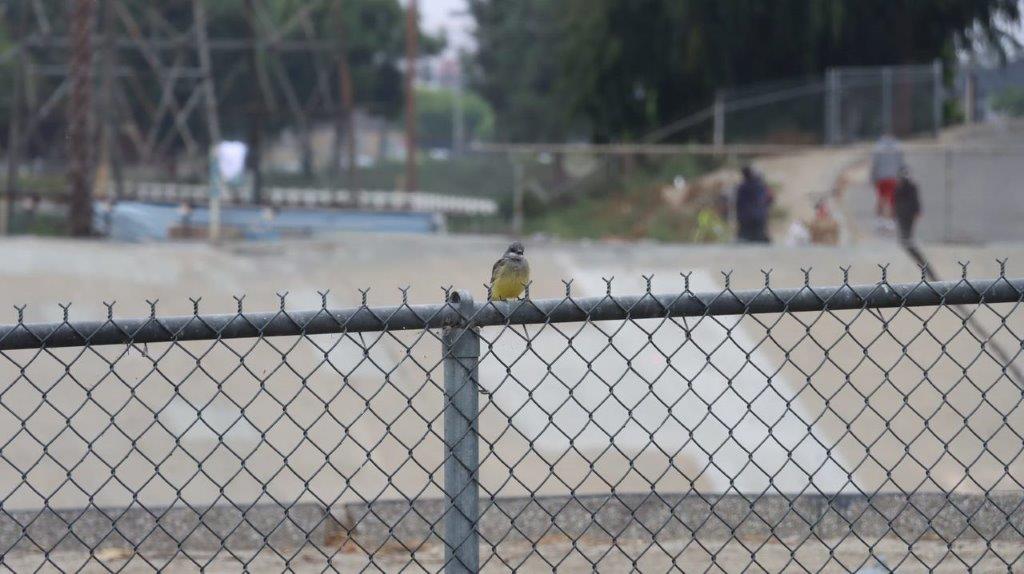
(108, 169)
(347, 96)
(411, 55)
(79, 110)
(206, 68)
(14, 143)
(212, 120)
(258, 108)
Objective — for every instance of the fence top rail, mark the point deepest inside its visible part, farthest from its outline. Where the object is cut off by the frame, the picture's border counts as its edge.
(460, 309)
(727, 149)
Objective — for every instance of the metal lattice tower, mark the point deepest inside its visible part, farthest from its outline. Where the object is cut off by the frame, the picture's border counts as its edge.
(174, 103)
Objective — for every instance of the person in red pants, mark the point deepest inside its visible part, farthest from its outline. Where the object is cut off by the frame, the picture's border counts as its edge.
(886, 165)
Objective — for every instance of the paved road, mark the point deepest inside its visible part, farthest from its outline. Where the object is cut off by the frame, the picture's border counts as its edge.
(583, 556)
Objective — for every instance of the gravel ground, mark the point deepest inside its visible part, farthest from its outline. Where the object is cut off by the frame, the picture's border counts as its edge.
(848, 555)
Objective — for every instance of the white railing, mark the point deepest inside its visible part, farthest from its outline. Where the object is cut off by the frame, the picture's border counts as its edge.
(379, 200)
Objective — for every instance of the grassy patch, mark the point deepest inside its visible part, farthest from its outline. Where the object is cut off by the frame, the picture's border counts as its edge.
(45, 224)
(627, 202)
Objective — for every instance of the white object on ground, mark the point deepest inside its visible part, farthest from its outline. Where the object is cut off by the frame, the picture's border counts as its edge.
(797, 235)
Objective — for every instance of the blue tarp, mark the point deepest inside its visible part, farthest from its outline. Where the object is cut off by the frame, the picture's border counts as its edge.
(137, 221)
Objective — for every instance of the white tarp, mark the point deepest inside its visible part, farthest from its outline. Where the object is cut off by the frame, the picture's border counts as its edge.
(230, 156)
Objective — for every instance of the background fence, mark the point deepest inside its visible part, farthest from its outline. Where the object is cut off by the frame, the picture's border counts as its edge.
(967, 187)
(812, 429)
(845, 105)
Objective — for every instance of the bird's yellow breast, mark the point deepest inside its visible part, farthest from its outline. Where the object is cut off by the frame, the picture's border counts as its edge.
(509, 283)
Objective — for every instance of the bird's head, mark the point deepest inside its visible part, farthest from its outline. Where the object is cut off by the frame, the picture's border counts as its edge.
(515, 250)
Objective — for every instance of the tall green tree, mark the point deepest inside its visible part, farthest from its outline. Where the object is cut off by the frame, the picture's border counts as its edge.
(435, 110)
(516, 69)
(624, 67)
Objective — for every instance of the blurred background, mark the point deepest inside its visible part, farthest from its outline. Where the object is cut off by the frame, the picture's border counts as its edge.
(609, 120)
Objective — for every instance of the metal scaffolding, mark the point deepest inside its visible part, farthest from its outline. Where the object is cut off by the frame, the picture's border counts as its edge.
(151, 97)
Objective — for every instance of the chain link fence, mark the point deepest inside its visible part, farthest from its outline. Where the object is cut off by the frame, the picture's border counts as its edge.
(813, 429)
(866, 102)
(844, 105)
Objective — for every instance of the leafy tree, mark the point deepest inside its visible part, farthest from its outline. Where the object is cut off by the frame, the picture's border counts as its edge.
(435, 110)
(625, 67)
(516, 67)
(1010, 101)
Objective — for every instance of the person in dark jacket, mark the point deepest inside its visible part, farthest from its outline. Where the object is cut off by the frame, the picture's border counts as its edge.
(753, 200)
(906, 206)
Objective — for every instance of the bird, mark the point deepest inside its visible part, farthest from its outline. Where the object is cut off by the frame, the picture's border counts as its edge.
(510, 274)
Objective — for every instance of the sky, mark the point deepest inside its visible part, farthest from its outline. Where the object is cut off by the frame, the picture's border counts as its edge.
(449, 16)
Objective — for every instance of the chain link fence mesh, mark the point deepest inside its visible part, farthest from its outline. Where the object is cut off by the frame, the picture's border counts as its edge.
(811, 429)
(904, 101)
(846, 105)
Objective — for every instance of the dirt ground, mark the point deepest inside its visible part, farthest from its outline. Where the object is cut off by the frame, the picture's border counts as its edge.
(849, 555)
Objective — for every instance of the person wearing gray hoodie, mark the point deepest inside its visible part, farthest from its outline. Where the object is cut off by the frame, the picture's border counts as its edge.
(886, 165)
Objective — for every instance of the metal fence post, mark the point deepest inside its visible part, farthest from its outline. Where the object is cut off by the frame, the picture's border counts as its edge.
(937, 96)
(719, 120)
(832, 102)
(216, 189)
(518, 183)
(948, 233)
(970, 93)
(461, 348)
(887, 100)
